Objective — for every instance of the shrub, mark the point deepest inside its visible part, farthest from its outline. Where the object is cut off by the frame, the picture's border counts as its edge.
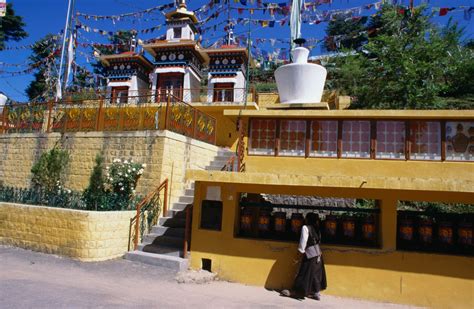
(94, 194)
(48, 170)
(116, 189)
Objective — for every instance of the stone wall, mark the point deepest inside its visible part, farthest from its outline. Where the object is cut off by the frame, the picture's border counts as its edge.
(83, 235)
(166, 154)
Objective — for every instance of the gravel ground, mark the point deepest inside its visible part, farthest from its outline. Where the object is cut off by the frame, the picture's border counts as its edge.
(35, 280)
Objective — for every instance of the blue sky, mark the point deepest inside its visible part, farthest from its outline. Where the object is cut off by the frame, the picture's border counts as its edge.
(48, 16)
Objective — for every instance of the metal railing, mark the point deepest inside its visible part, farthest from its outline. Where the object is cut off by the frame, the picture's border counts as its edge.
(183, 118)
(188, 95)
(98, 114)
(148, 212)
(187, 231)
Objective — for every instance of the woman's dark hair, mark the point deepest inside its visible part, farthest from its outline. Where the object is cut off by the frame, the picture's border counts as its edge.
(312, 219)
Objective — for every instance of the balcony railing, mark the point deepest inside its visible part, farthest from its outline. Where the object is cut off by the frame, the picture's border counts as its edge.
(188, 95)
(96, 112)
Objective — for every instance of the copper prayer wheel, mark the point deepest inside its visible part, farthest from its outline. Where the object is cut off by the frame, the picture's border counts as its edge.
(425, 231)
(280, 221)
(246, 220)
(465, 233)
(445, 233)
(264, 221)
(368, 228)
(330, 226)
(348, 227)
(297, 222)
(406, 229)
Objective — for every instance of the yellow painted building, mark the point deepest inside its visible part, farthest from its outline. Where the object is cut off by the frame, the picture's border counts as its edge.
(428, 169)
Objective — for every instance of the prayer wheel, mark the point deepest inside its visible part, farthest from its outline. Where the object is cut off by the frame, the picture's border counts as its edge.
(264, 221)
(425, 231)
(297, 221)
(330, 226)
(465, 233)
(280, 221)
(406, 229)
(246, 220)
(368, 229)
(348, 227)
(445, 233)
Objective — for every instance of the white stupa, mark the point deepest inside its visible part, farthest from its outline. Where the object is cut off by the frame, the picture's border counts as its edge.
(300, 82)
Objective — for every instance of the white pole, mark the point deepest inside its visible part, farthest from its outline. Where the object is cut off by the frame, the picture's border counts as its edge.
(59, 91)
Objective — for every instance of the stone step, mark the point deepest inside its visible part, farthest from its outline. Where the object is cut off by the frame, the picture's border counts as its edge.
(162, 240)
(173, 262)
(186, 199)
(189, 192)
(177, 213)
(172, 222)
(224, 151)
(161, 249)
(179, 206)
(168, 231)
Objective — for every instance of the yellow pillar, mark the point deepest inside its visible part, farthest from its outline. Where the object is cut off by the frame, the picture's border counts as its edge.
(388, 222)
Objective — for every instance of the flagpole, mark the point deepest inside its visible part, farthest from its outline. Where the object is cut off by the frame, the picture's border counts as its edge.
(59, 91)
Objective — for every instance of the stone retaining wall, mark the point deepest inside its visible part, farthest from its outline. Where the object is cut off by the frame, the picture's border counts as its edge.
(83, 235)
(166, 154)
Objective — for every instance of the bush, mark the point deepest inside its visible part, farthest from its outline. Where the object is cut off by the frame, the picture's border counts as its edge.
(116, 189)
(62, 198)
(48, 170)
(94, 194)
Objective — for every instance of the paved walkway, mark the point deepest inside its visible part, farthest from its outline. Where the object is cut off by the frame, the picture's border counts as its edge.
(35, 280)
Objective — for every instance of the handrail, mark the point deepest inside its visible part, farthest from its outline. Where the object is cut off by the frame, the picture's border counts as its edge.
(241, 147)
(151, 200)
(187, 231)
(229, 165)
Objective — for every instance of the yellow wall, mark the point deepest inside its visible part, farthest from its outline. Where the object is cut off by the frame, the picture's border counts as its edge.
(83, 235)
(166, 154)
(434, 280)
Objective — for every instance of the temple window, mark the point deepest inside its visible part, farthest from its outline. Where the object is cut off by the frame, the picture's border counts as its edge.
(292, 137)
(223, 92)
(120, 95)
(425, 137)
(262, 136)
(459, 141)
(355, 139)
(324, 138)
(391, 139)
(177, 31)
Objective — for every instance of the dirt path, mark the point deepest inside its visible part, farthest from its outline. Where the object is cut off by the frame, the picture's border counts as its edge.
(35, 280)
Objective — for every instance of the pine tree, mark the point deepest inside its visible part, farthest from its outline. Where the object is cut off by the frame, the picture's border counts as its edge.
(11, 27)
(45, 58)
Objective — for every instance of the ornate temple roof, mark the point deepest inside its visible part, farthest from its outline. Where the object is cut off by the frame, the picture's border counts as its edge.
(126, 56)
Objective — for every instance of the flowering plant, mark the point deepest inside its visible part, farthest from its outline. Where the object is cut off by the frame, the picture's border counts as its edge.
(122, 176)
(113, 187)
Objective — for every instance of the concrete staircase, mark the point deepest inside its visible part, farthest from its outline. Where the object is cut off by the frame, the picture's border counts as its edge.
(165, 244)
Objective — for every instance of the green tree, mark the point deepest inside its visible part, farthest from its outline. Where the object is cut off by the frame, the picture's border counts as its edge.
(343, 33)
(94, 195)
(409, 64)
(44, 58)
(48, 171)
(11, 27)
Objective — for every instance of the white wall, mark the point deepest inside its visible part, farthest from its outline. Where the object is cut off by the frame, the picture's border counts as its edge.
(186, 33)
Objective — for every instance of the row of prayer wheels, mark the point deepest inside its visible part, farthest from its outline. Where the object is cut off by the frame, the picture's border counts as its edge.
(423, 232)
(347, 225)
(333, 227)
(265, 224)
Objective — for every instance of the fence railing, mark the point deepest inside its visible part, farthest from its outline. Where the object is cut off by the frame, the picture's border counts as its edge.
(182, 118)
(148, 212)
(188, 95)
(98, 114)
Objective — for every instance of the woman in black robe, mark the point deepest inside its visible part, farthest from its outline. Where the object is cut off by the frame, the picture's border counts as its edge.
(311, 277)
